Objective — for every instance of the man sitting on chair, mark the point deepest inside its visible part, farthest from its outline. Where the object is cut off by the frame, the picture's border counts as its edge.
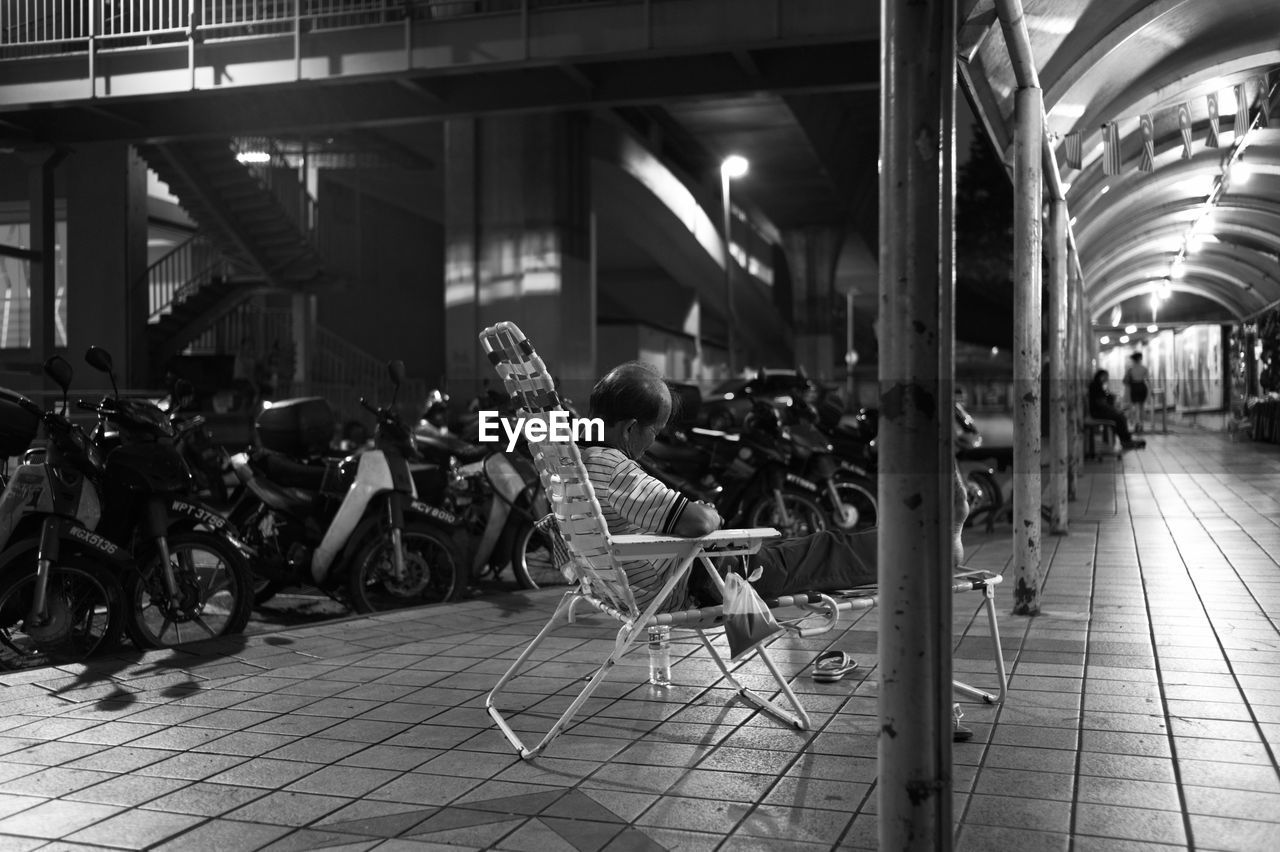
(634, 404)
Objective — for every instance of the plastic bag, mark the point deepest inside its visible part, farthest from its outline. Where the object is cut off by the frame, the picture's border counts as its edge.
(747, 621)
(561, 557)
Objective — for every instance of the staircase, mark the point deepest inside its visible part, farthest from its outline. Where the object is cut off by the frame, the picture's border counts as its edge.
(257, 227)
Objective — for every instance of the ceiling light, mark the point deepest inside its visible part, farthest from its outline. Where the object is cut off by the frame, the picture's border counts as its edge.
(1130, 329)
(1153, 328)
(1195, 241)
(1124, 338)
(253, 157)
(1179, 269)
(1104, 340)
(1105, 189)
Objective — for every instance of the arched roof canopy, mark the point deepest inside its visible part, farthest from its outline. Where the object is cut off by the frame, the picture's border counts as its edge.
(1122, 61)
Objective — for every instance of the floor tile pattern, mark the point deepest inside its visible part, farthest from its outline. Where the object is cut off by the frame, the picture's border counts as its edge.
(1143, 713)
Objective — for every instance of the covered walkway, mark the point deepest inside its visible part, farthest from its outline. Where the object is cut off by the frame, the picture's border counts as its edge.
(1144, 713)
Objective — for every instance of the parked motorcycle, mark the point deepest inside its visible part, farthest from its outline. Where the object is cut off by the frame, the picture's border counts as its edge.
(499, 497)
(357, 528)
(60, 593)
(88, 546)
(191, 578)
(744, 475)
(845, 489)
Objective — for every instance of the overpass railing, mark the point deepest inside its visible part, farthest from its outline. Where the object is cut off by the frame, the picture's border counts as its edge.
(34, 28)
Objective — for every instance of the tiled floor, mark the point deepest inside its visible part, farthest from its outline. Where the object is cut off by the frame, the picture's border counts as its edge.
(1144, 714)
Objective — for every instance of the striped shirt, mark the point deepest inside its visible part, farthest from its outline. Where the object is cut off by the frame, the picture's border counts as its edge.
(633, 503)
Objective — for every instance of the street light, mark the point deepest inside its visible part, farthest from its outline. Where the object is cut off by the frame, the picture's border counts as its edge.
(733, 166)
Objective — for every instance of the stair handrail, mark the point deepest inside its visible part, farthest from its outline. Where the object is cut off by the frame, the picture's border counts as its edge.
(265, 161)
(348, 372)
(181, 272)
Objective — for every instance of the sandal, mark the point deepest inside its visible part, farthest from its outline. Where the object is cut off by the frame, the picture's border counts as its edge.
(831, 666)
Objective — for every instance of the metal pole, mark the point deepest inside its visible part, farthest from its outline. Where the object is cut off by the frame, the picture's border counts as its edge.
(1028, 192)
(1058, 419)
(914, 551)
(728, 273)
(1075, 402)
(849, 364)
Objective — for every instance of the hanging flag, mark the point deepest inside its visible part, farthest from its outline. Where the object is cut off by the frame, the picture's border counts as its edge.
(1264, 102)
(1075, 150)
(1148, 161)
(1242, 111)
(1212, 141)
(1110, 148)
(1184, 125)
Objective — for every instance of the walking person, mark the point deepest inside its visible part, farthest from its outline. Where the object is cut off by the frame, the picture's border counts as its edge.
(1102, 406)
(1135, 379)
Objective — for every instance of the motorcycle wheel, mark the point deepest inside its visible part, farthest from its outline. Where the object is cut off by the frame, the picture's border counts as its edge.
(805, 514)
(215, 588)
(858, 496)
(532, 562)
(85, 617)
(435, 573)
(985, 498)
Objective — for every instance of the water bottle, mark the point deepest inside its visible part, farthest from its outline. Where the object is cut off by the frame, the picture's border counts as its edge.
(660, 655)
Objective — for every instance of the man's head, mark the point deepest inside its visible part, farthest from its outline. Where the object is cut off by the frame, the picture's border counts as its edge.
(1136, 357)
(634, 404)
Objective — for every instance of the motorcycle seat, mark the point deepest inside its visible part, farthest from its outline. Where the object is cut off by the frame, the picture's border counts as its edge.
(284, 471)
(436, 446)
(299, 502)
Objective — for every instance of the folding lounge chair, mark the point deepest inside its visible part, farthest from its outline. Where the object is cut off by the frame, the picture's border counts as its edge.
(595, 557)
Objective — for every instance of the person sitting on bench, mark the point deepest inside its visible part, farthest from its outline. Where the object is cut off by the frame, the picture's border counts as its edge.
(1102, 406)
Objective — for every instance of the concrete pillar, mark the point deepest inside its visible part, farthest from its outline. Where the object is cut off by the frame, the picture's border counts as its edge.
(107, 303)
(519, 244)
(917, 278)
(811, 256)
(1058, 429)
(1028, 192)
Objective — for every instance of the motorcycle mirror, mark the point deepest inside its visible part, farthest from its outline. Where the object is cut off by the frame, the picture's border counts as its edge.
(396, 370)
(100, 360)
(59, 369)
(183, 390)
